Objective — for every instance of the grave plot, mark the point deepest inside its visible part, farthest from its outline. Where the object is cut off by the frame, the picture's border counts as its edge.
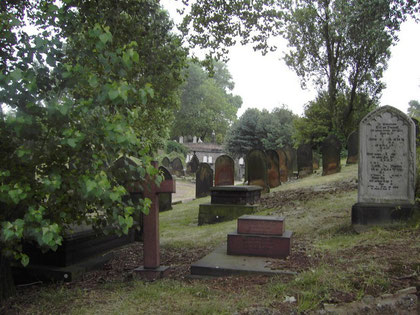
(256, 238)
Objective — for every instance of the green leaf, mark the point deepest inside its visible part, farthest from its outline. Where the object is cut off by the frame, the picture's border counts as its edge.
(135, 57)
(24, 260)
(71, 142)
(16, 74)
(113, 94)
(50, 61)
(93, 81)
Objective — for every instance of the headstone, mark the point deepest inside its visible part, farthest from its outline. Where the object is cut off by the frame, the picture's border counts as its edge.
(353, 148)
(304, 160)
(256, 169)
(177, 167)
(192, 165)
(165, 199)
(387, 167)
(331, 149)
(181, 139)
(203, 180)
(315, 160)
(284, 173)
(224, 171)
(288, 150)
(273, 172)
(194, 139)
(166, 163)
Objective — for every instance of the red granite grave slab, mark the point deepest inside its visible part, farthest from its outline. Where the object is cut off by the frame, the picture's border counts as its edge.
(260, 224)
(273, 246)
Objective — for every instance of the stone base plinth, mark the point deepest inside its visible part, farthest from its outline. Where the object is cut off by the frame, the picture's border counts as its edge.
(260, 224)
(214, 213)
(237, 195)
(275, 246)
(152, 273)
(368, 213)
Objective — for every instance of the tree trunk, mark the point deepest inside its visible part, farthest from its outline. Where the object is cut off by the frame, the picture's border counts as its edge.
(7, 285)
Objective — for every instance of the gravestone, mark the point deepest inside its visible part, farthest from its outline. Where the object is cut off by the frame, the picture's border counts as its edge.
(273, 172)
(304, 160)
(256, 169)
(288, 150)
(315, 160)
(387, 167)
(284, 173)
(331, 149)
(203, 180)
(166, 163)
(353, 148)
(177, 167)
(224, 171)
(165, 199)
(192, 165)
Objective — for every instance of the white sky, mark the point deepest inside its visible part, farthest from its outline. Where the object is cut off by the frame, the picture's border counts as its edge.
(265, 82)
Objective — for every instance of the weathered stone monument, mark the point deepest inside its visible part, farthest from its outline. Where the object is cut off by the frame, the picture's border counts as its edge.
(228, 203)
(224, 171)
(273, 172)
(353, 148)
(331, 149)
(165, 199)
(304, 160)
(288, 150)
(192, 165)
(284, 173)
(166, 163)
(203, 180)
(177, 167)
(387, 167)
(256, 165)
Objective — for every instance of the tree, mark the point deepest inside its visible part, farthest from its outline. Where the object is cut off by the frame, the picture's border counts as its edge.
(341, 46)
(413, 108)
(260, 130)
(207, 105)
(316, 124)
(76, 92)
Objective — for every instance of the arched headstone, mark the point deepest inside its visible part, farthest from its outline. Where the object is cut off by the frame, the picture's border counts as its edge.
(177, 167)
(166, 163)
(256, 169)
(224, 171)
(165, 199)
(203, 180)
(284, 172)
(304, 160)
(353, 148)
(273, 169)
(192, 166)
(288, 150)
(331, 149)
(387, 167)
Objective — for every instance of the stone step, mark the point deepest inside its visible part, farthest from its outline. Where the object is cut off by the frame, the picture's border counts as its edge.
(261, 224)
(274, 246)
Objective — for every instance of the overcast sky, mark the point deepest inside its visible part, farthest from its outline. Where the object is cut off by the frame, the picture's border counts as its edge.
(266, 81)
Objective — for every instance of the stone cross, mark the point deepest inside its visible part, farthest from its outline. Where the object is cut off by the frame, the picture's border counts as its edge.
(151, 246)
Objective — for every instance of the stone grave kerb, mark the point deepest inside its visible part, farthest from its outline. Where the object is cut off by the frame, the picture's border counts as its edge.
(151, 245)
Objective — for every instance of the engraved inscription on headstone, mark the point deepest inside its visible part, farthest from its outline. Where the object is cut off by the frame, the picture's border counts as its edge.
(387, 167)
(385, 157)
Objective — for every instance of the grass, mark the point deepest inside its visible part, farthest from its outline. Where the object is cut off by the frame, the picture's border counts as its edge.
(344, 265)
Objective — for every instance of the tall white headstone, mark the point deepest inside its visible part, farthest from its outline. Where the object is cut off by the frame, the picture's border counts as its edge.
(387, 167)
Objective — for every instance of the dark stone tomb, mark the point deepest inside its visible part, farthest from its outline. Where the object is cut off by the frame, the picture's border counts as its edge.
(353, 148)
(177, 167)
(165, 199)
